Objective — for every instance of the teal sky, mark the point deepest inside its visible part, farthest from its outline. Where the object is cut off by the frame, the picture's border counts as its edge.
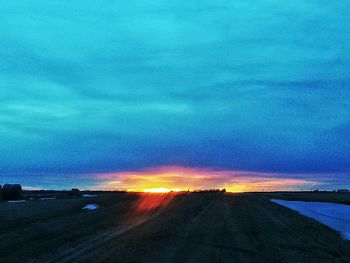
(92, 87)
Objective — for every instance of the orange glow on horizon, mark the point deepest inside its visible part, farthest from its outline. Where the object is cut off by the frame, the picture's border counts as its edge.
(161, 190)
(174, 179)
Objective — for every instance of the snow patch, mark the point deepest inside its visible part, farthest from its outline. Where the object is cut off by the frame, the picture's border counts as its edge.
(335, 216)
(47, 198)
(16, 201)
(91, 207)
(89, 195)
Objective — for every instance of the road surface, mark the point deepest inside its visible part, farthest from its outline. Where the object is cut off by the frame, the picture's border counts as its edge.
(202, 227)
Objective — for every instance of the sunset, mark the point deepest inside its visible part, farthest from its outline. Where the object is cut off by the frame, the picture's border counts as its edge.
(175, 178)
(174, 131)
(129, 87)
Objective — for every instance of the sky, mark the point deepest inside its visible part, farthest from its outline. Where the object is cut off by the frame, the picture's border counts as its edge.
(93, 93)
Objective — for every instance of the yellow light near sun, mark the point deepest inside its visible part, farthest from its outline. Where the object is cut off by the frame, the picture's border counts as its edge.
(177, 179)
(161, 190)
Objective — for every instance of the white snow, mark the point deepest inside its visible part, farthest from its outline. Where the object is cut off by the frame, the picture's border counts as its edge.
(16, 201)
(88, 195)
(47, 198)
(335, 216)
(91, 207)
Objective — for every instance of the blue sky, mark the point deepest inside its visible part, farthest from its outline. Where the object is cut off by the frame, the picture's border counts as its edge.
(111, 86)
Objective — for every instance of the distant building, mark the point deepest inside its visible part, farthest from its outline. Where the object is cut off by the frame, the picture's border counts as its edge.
(11, 191)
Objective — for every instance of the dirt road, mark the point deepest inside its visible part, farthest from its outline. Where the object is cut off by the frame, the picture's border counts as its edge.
(178, 228)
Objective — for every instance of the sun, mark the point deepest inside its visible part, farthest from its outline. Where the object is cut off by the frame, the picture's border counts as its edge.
(161, 190)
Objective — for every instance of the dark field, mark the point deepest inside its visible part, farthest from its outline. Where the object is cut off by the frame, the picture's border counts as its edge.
(201, 227)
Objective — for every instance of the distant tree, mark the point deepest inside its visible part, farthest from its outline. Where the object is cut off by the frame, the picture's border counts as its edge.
(74, 192)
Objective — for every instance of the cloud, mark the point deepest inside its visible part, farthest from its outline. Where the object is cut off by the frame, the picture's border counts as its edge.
(98, 88)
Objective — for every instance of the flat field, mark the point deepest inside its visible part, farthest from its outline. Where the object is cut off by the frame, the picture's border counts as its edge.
(186, 227)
